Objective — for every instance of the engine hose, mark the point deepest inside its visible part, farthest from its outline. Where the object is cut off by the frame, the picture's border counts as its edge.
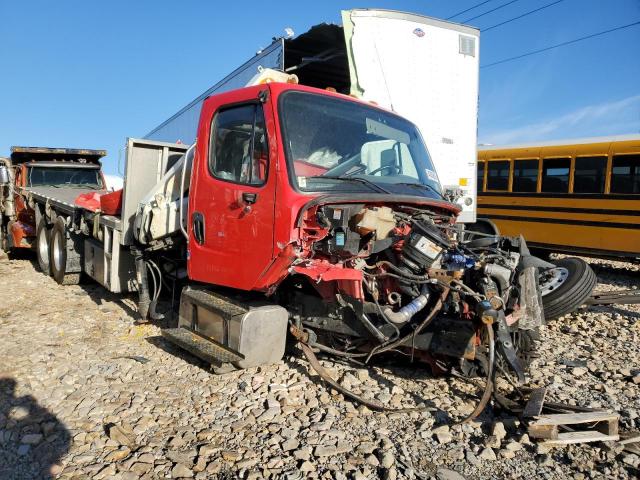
(384, 317)
(154, 281)
(399, 271)
(144, 300)
(500, 274)
(407, 312)
(393, 275)
(160, 280)
(373, 405)
(411, 336)
(488, 389)
(339, 353)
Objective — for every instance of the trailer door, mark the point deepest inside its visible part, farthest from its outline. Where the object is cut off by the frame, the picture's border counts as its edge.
(231, 203)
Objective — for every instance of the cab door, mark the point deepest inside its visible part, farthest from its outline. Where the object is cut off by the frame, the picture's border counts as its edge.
(231, 203)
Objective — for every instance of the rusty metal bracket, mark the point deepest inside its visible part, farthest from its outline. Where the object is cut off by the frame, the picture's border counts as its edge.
(506, 348)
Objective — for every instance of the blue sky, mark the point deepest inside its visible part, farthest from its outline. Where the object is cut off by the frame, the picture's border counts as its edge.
(89, 74)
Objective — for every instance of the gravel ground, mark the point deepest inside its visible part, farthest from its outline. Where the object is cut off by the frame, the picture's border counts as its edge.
(86, 393)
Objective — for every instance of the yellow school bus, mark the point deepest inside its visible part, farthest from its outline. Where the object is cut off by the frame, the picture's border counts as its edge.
(575, 196)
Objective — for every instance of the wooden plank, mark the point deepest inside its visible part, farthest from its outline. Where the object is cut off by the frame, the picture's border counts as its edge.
(543, 431)
(611, 428)
(634, 439)
(575, 418)
(534, 405)
(580, 437)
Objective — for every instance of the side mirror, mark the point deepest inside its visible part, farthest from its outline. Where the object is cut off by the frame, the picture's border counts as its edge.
(5, 179)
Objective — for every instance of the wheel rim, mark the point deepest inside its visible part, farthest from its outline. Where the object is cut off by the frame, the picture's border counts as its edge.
(43, 246)
(57, 253)
(552, 279)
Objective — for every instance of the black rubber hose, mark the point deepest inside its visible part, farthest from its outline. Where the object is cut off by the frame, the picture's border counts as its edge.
(436, 308)
(144, 300)
(488, 389)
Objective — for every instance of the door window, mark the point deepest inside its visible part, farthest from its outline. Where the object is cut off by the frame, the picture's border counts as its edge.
(238, 145)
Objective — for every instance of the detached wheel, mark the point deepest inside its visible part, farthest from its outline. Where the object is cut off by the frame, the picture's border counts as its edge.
(566, 287)
(65, 255)
(43, 238)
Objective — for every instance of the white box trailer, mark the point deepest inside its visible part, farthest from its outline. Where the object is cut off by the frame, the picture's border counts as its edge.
(423, 68)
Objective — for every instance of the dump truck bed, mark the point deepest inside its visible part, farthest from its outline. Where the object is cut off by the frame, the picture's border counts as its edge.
(63, 200)
(60, 197)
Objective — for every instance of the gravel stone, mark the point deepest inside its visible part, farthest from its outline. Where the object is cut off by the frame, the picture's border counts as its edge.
(32, 438)
(446, 474)
(487, 454)
(180, 470)
(74, 402)
(387, 460)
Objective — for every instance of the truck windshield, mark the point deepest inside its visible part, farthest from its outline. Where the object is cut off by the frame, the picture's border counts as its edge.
(63, 176)
(335, 145)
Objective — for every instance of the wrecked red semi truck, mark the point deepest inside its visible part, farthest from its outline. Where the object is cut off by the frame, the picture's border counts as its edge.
(330, 211)
(308, 211)
(305, 212)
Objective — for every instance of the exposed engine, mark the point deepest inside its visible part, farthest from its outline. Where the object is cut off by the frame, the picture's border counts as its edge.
(405, 279)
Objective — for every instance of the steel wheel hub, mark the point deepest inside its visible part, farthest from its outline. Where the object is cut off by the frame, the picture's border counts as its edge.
(552, 279)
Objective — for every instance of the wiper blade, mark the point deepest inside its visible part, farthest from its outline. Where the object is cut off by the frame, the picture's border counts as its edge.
(361, 180)
(80, 185)
(423, 185)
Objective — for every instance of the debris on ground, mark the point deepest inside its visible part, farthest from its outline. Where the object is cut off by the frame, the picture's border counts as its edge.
(62, 395)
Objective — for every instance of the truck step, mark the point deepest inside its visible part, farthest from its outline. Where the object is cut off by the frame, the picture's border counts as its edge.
(214, 302)
(202, 347)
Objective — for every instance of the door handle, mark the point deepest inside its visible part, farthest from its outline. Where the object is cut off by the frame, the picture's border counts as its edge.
(249, 198)
(198, 227)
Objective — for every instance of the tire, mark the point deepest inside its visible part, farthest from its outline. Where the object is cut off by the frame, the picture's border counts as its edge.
(4, 246)
(482, 225)
(65, 255)
(564, 295)
(43, 241)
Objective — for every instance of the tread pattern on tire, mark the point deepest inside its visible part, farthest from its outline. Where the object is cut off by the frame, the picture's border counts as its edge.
(44, 267)
(69, 248)
(71, 279)
(556, 305)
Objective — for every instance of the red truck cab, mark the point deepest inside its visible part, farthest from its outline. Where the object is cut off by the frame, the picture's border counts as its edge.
(268, 157)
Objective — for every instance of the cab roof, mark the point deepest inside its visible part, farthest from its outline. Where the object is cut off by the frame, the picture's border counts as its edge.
(47, 154)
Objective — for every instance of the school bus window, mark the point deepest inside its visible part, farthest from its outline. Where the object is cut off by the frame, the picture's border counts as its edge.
(589, 174)
(525, 175)
(498, 175)
(555, 175)
(625, 174)
(480, 175)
